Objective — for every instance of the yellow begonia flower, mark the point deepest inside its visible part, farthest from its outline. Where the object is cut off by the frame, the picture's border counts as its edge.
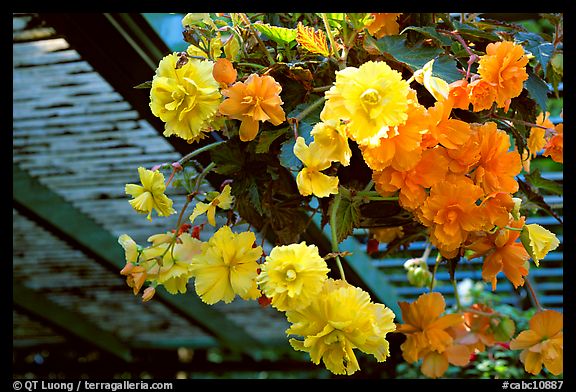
(340, 319)
(223, 200)
(538, 241)
(542, 343)
(310, 180)
(175, 269)
(130, 248)
(292, 275)
(372, 98)
(228, 266)
(331, 135)
(186, 98)
(439, 88)
(150, 196)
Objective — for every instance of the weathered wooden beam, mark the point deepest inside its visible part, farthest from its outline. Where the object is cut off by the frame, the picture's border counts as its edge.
(71, 323)
(49, 209)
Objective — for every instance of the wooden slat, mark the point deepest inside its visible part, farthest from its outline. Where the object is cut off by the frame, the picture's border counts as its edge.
(68, 321)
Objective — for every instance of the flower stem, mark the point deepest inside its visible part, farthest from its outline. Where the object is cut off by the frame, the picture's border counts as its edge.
(334, 237)
(309, 109)
(255, 34)
(438, 258)
(526, 123)
(207, 147)
(530, 289)
(456, 295)
(321, 89)
(202, 175)
(513, 228)
(368, 186)
(473, 57)
(333, 47)
(259, 66)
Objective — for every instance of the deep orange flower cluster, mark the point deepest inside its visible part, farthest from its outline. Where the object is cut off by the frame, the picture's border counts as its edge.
(457, 178)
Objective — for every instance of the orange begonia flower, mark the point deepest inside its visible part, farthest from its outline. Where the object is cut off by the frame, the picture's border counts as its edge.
(555, 146)
(449, 132)
(427, 336)
(401, 151)
(476, 332)
(451, 213)
(497, 166)
(459, 94)
(502, 253)
(504, 65)
(497, 208)
(542, 344)
(482, 94)
(464, 158)
(257, 99)
(383, 24)
(537, 140)
(431, 169)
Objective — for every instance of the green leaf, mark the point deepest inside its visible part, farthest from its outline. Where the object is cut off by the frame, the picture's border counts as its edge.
(535, 179)
(287, 157)
(347, 214)
(280, 35)
(538, 90)
(537, 46)
(267, 137)
(335, 19)
(147, 84)
(470, 31)
(228, 159)
(446, 68)
(246, 188)
(414, 57)
(533, 197)
(430, 31)
(505, 329)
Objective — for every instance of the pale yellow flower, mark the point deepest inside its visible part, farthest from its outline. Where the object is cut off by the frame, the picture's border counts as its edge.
(436, 86)
(170, 263)
(331, 135)
(150, 196)
(292, 275)
(340, 319)
(228, 266)
(538, 241)
(223, 200)
(310, 180)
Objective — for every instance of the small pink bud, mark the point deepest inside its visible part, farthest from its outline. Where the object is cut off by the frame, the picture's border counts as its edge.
(177, 166)
(148, 294)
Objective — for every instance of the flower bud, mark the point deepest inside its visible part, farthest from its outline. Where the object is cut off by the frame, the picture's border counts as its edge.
(148, 294)
(419, 276)
(516, 210)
